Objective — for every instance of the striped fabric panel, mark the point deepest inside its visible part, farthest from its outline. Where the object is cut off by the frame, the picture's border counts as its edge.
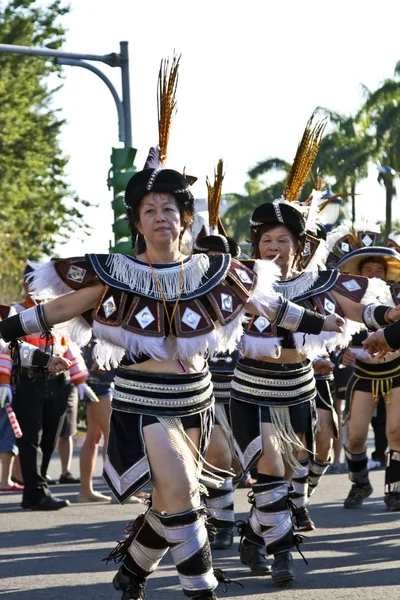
(5, 368)
(5, 363)
(77, 370)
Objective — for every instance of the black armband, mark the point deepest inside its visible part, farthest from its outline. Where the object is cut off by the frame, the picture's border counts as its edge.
(374, 316)
(392, 335)
(31, 356)
(293, 317)
(29, 321)
(311, 322)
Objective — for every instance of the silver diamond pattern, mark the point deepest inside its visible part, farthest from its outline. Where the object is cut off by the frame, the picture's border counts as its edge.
(367, 241)
(261, 323)
(243, 275)
(352, 285)
(329, 306)
(76, 274)
(109, 306)
(191, 318)
(144, 317)
(345, 247)
(227, 302)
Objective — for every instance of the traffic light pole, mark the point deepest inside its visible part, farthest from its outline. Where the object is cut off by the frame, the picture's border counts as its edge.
(78, 60)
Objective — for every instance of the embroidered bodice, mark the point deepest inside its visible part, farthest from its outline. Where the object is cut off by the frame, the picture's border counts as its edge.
(130, 314)
(313, 291)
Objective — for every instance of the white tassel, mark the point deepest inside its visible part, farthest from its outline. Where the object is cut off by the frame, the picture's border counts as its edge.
(377, 291)
(106, 355)
(258, 347)
(140, 278)
(133, 343)
(313, 345)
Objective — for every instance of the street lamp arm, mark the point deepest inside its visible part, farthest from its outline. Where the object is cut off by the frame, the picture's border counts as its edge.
(109, 59)
(120, 109)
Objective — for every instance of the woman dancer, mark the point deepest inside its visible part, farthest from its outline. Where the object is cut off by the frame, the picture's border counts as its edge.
(273, 391)
(373, 379)
(167, 311)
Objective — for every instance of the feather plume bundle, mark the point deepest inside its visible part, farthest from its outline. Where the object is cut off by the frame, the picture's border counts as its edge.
(304, 159)
(214, 197)
(166, 101)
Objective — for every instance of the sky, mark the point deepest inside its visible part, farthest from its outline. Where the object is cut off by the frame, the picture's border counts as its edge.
(251, 74)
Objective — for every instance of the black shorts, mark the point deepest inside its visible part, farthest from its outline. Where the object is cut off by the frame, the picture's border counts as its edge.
(70, 422)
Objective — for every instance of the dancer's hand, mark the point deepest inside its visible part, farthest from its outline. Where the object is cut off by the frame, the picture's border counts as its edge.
(348, 358)
(376, 344)
(393, 314)
(323, 366)
(58, 364)
(85, 390)
(333, 323)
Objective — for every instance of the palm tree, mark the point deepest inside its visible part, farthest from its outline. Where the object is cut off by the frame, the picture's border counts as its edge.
(383, 108)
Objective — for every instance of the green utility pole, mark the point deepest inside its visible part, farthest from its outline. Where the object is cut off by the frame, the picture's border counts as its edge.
(120, 173)
(122, 159)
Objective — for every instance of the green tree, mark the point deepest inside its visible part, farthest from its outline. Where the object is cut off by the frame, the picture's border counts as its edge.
(37, 207)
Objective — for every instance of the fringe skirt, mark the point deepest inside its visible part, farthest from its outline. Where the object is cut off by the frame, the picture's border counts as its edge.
(140, 398)
(281, 394)
(376, 379)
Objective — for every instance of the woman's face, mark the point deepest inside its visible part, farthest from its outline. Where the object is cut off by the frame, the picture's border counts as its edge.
(373, 269)
(279, 244)
(159, 218)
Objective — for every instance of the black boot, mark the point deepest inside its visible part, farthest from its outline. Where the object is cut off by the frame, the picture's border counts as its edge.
(132, 586)
(208, 595)
(223, 539)
(254, 557)
(282, 568)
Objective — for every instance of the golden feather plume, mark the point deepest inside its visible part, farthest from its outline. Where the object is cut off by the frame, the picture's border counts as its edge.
(304, 159)
(166, 101)
(214, 196)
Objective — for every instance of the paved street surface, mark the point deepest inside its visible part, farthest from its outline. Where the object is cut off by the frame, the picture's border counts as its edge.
(57, 555)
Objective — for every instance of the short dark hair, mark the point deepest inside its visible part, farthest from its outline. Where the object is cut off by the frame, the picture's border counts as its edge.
(373, 259)
(133, 216)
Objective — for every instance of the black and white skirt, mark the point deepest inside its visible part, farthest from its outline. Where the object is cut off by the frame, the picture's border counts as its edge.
(281, 394)
(141, 398)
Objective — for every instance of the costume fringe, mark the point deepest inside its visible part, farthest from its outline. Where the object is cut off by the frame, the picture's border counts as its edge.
(288, 442)
(139, 277)
(221, 417)
(297, 286)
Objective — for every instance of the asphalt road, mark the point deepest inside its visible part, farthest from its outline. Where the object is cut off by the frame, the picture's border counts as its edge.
(58, 555)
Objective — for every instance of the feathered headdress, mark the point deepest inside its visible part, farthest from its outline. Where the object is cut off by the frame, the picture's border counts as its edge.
(166, 109)
(348, 237)
(288, 210)
(305, 156)
(214, 198)
(393, 241)
(217, 239)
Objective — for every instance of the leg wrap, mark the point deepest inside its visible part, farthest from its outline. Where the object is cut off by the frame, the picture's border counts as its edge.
(358, 467)
(300, 485)
(147, 547)
(219, 503)
(186, 534)
(392, 473)
(316, 470)
(274, 515)
(251, 531)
